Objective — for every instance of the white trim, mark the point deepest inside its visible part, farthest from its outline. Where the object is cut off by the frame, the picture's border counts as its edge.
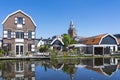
(5, 35)
(5, 32)
(19, 44)
(19, 64)
(17, 12)
(41, 42)
(57, 39)
(33, 37)
(78, 45)
(33, 33)
(60, 68)
(33, 50)
(25, 36)
(111, 46)
(33, 46)
(109, 35)
(19, 26)
(19, 40)
(25, 33)
(23, 20)
(102, 45)
(15, 20)
(112, 72)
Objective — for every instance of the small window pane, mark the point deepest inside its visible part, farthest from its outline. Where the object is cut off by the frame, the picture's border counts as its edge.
(9, 33)
(9, 47)
(29, 47)
(17, 50)
(21, 49)
(20, 20)
(29, 34)
(20, 35)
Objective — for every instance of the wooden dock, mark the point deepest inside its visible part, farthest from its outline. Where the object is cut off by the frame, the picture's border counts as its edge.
(24, 58)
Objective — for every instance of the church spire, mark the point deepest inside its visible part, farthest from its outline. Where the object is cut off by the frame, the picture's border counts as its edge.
(71, 30)
(71, 24)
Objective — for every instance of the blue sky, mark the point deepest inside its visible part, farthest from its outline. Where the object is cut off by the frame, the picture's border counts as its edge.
(90, 17)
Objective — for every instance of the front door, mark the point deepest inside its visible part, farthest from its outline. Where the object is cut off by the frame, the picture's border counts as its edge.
(19, 50)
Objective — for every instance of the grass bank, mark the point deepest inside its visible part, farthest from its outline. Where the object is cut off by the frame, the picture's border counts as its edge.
(77, 57)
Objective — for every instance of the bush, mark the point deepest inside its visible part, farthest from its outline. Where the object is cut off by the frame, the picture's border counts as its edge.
(1, 52)
(44, 48)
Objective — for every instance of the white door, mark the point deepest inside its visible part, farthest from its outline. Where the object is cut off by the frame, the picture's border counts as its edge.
(19, 49)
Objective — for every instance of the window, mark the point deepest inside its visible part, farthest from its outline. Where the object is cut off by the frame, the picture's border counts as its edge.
(29, 47)
(9, 47)
(19, 20)
(19, 66)
(29, 34)
(21, 49)
(118, 48)
(9, 33)
(20, 35)
(17, 50)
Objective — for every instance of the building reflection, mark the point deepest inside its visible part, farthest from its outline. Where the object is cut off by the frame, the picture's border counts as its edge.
(25, 70)
(18, 70)
(104, 66)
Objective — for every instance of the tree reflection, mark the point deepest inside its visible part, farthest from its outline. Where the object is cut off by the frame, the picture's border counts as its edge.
(13, 69)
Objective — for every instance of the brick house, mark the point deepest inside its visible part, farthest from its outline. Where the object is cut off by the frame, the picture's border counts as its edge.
(18, 33)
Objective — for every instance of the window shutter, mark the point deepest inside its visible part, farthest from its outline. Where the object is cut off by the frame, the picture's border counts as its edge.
(15, 20)
(5, 34)
(33, 35)
(23, 20)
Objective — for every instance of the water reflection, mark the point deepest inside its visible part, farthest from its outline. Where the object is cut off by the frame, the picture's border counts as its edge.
(19, 70)
(67, 69)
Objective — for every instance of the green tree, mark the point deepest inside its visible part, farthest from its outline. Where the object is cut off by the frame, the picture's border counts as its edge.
(44, 48)
(73, 41)
(66, 39)
(1, 52)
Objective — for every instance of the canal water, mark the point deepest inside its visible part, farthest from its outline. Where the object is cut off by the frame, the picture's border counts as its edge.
(65, 69)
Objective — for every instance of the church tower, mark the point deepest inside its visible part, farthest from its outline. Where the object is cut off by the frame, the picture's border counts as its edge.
(72, 30)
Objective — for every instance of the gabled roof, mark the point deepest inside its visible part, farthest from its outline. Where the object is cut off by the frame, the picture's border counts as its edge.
(57, 38)
(106, 70)
(17, 12)
(118, 40)
(118, 37)
(95, 40)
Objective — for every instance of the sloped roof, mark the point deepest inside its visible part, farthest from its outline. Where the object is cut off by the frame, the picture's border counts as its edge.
(118, 41)
(107, 70)
(118, 37)
(17, 12)
(95, 40)
(57, 38)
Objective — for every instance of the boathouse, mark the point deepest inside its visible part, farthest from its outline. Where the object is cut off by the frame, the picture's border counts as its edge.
(100, 45)
(57, 44)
